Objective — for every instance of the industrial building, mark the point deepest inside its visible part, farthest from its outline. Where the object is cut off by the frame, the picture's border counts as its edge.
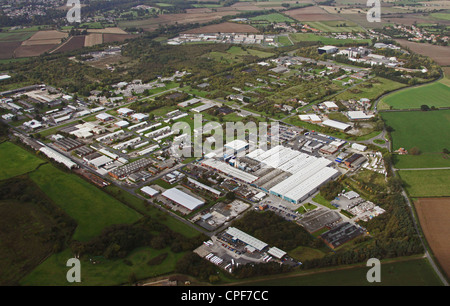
(327, 49)
(149, 191)
(238, 235)
(181, 198)
(292, 175)
(340, 234)
(124, 171)
(337, 125)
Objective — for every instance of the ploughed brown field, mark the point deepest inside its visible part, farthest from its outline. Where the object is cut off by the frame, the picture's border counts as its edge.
(226, 27)
(33, 50)
(440, 54)
(170, 19)
(434, 216)
(7, 48)
(108, 38)
(311, 13)
(74, 43)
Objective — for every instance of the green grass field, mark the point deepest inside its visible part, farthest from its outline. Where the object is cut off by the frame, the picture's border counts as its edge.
(441, 16)
(426, 183)
(16, 161)
(424, 160)
(91, 208)
(52, 272)
(429, 131)
(275, 17)
(236, 54)
(436, 94)
(416, 272)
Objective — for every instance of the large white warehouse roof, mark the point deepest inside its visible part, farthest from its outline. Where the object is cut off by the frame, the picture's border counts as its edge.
(183, 198)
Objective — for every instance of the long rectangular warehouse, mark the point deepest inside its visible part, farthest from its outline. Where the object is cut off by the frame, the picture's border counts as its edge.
(229, 170)
(246, 238)
(182, 198)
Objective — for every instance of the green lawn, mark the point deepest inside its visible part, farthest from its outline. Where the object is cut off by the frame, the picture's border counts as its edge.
(424, 160)
(426, 183)
(319, 199)
(92, 209)
(16, 161)
(429, 131)
(52, 272)
(436, 94)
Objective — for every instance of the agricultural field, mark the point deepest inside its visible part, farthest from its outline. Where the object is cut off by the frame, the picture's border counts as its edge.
(73, 43)
(436, 94)
(336, 26)
(437, 53)
(428, 131)
(426, 183)
(51, 37)
(92, 209)
(16, 161)
(275, 17)
(414, 272)
(311, 13)
(226, 27)
(434, 214)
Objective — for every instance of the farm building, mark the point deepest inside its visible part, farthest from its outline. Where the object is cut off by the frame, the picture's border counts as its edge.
(183, 199)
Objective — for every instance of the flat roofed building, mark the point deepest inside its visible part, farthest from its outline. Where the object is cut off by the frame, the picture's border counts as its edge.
(276, 252)
(358, 115)
(122, 124)
(149, 191)
(125, 111)
(246, 238)
(104, 117)
(181, 198)
(237, 145)
(337, 125)
(139, 117)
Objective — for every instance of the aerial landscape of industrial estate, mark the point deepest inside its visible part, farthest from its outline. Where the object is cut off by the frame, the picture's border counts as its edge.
(224, 142)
